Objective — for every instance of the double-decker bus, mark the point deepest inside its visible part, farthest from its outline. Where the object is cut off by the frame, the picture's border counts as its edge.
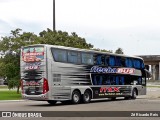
(56, 73)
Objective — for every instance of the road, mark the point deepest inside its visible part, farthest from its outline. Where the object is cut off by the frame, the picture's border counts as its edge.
(150, 102)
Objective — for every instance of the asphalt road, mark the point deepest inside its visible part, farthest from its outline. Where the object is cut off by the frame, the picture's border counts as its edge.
(150, 102)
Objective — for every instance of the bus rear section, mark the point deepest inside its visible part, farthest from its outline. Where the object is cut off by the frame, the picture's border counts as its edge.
(34, 83)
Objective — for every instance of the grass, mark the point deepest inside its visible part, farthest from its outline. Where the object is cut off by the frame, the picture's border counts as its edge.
(9, 95)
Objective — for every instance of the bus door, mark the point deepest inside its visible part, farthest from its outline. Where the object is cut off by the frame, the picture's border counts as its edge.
(143, 81)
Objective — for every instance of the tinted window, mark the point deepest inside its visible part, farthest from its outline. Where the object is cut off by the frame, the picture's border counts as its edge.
(129, 62)
(87, 58)
(59, 55)
(100, 79)
(112, 61)
(137, 63)
(118, 61)
(72, 57)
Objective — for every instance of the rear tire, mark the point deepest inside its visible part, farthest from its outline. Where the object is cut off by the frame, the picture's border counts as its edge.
(52, 102)
(134, 94)
(87, 96)
(76, 97)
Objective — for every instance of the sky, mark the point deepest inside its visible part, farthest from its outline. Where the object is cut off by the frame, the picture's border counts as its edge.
(133, 25)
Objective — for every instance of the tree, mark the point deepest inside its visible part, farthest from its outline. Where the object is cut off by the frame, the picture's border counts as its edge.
(10, 46)
(119, 51)
(10, 70)
(63, 39)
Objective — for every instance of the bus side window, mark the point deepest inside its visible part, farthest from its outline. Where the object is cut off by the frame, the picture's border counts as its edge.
(128, 62)
(100, 80)
(112, 80)
(112, 61)
(87, 58)
(72, 57)
(139, 80)
(99, 60)
(122, 80)
(106, 60)
(118, 61)
(95, 80)
(137, 63)
(59, 55)
(123, 61)
(117, 80)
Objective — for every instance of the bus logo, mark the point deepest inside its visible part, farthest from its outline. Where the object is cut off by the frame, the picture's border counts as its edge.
(97, 69)
(109, 89)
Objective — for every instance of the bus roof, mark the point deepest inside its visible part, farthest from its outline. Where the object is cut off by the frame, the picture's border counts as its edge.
(83, 50)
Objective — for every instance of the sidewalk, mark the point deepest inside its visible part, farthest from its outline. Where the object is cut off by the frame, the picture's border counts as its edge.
(12, 100)
(5, 89)
(153, 83)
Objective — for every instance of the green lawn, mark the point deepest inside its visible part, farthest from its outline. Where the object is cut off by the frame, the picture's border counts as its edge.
(9, 95)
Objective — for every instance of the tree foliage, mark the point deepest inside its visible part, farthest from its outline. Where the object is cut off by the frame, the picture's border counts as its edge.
(119, 51)
(63, 39)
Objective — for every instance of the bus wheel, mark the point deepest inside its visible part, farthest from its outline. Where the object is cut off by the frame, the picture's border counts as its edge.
(134, 94)
(87, 96)
(76, 97)
(52, 102)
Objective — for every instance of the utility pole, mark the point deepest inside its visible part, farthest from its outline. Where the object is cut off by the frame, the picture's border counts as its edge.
(54, 19)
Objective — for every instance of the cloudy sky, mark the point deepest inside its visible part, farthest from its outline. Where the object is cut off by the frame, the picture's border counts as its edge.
(133, 25)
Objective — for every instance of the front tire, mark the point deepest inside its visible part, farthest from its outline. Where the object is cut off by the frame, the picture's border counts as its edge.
(52, 102)
(76, 97)
(87, 96)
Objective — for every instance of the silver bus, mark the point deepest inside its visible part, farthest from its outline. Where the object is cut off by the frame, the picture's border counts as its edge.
(56, 73)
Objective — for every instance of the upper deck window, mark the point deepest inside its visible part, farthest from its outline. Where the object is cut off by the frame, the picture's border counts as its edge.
(59, 55)
(129, 62)
(87, 58)
(72, 57)
(137, 63)
(112, 60)
(118, 61)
